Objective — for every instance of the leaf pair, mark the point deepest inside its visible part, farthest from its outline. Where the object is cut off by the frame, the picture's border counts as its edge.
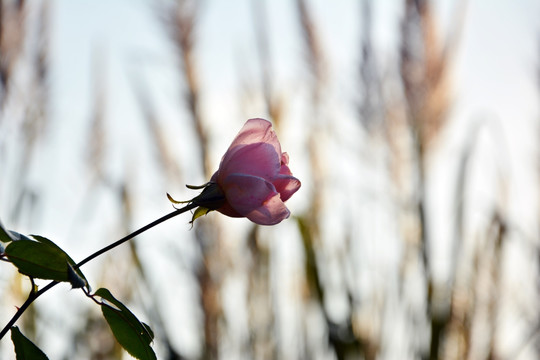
(39, 257)
(134, 336)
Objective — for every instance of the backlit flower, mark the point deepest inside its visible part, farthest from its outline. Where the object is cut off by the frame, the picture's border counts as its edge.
(253, 179)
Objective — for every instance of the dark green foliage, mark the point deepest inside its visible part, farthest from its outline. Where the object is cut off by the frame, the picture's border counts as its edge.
(133, 335)
(43, 259)
(24, 348)
(76, 278)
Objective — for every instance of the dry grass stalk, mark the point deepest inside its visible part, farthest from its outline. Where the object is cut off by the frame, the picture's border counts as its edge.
(261, 310)
(424, 73)
(314, 53)
(370, 105)
(309, 226)
(345, 342)
(12, 33)
(97, 135)
(34, 102)
(184, 20)
(424, 76)
(274, 103)
(314, 59)
(183, 23)
(166, 160)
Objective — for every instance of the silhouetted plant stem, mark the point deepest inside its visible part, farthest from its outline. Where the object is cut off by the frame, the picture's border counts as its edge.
(31, 297)
(135, 233)
(35, 294)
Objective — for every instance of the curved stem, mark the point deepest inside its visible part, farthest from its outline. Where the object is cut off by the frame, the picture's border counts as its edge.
(35, 294)
(135, 233)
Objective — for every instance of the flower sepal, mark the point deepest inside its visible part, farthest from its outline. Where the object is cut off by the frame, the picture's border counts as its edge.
(211, 198)
(200, 211)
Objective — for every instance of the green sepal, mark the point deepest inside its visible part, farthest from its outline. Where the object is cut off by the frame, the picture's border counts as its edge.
(200, 211)
(212, 197)
(134, 336)
(197, 187)
(176, 201)
(24, 348)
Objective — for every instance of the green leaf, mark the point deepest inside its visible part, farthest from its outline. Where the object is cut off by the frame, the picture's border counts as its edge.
(75, 276)
(43, 259)
(38, 260)
(24, 348)
(133, 335)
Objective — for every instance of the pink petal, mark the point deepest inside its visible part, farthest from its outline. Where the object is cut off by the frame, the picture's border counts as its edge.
(255, 177)
(284, 158)
(272, 212)
(246, 193)
(258, 159)
(286, 186)
(255, 131)
(284, 170)
(229, 211)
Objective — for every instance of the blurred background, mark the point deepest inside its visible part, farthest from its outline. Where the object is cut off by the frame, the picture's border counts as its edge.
(412, 124)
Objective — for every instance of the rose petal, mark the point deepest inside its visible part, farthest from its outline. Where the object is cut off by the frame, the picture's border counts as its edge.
(229, 211)
(255, 131)
(284, 170)
(258, 159)
(272, 212)
(246, 193)
(255, 177)
(286, 186)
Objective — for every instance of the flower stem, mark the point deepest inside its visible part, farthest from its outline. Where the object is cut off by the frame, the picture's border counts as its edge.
(135, 233)
(35, 294)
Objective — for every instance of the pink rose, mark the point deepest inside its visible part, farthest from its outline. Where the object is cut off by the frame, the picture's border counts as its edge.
(253, 179)
(254, 176)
